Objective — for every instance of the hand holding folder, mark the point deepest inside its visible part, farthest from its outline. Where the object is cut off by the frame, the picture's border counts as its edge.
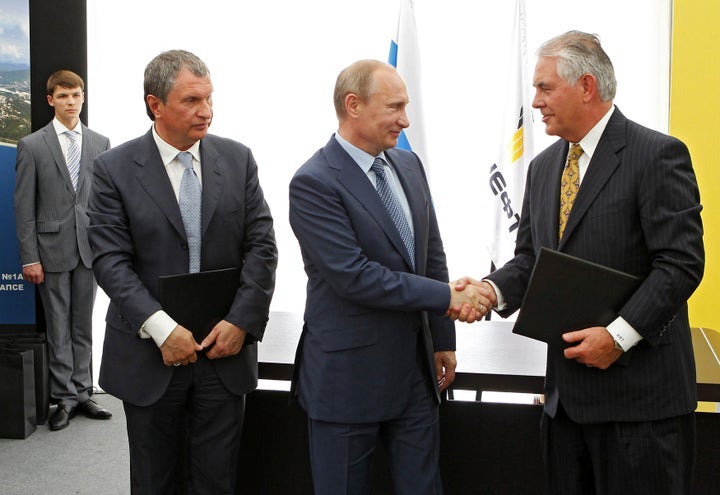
(198, 301)
(566, 293)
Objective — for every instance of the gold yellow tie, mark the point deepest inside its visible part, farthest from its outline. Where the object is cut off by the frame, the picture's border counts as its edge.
(569, 185)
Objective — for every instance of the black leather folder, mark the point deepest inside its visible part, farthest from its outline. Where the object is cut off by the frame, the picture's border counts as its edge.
(198, 301)
(566, 293)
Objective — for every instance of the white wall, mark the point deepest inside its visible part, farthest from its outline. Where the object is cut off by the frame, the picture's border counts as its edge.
(274, 64)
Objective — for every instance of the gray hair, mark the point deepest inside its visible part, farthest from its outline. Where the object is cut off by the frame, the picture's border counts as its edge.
(580, 53)
(161, 72)
(356, 79)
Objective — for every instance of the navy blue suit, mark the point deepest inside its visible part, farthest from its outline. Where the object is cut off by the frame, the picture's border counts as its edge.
(371, 324)
(638, 211)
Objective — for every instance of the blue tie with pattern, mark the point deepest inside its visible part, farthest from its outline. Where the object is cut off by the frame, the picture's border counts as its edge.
(393, 207)
(190, 207)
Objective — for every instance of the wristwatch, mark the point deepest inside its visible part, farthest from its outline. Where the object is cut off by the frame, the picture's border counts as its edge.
(618, 346)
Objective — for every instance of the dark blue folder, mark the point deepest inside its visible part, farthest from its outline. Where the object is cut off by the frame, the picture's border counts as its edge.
(567, 293)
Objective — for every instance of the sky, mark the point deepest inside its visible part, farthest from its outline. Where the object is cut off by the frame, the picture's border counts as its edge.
(14, 32)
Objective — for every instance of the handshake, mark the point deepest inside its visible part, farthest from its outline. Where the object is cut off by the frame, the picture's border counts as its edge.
(470, 300)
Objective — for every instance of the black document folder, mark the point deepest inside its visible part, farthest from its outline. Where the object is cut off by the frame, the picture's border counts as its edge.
(566, 293)
(198, 301)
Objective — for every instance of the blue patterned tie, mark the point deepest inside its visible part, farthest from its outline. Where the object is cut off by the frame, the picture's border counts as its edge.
(73, 157)
(190, 207)
(393, 207)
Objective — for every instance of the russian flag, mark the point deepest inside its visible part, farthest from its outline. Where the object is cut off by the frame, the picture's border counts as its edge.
(405, 57)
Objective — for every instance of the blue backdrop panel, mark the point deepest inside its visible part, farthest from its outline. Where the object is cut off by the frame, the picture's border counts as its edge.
(17, 297)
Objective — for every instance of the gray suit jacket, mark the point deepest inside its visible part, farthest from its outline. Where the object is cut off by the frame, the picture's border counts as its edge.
(137, 234)
(637, 210)
(51, 216)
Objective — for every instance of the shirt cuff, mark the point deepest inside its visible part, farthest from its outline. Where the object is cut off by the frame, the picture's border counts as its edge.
(501, 304)
(157, 327)
(623, 333)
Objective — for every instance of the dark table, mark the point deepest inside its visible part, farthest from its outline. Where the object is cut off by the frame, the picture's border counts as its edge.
(485, 447)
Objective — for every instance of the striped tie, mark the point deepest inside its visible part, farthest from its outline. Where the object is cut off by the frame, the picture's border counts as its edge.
(73, 157)
(394, 209)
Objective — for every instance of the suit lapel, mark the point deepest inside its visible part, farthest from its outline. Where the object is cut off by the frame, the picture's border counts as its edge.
(212, 183)
(352, 178)
(86, 158)
(53, 144)
(602, 166)
(412, 186)
(153, 177)
(552, 192)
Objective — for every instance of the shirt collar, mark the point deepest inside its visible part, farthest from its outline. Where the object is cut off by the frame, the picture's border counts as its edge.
(592, 138)
(60, 127)
(168, 152)
(362, 158)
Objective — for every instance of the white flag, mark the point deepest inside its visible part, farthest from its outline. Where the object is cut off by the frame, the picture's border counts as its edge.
(405, 56)
(506, 177)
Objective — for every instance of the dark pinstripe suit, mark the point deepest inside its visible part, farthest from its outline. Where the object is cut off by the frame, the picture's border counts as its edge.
(637, 211)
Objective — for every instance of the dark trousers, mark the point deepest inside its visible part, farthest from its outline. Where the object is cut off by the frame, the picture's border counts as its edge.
(618, 458)
(197, 423)
(341, 455)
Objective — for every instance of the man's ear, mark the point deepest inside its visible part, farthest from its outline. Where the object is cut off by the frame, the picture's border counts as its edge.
(154, 104)
(352, 104)
(589, 85)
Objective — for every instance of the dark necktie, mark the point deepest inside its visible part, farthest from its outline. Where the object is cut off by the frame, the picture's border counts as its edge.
(394, 209)
(190, 207)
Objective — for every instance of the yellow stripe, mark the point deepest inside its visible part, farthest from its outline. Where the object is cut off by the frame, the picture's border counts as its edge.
(695, 119)
(516, 147)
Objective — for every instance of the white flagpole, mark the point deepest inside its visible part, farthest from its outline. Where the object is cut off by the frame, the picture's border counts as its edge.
(506, 176)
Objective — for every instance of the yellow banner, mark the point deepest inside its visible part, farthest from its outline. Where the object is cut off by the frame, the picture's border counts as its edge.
(695, 119)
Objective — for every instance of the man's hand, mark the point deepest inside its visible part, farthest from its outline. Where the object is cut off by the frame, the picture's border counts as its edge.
(179, 348)
(225, 339)
(445, 364)
(470, 299)
(595, 347)
(34, 273)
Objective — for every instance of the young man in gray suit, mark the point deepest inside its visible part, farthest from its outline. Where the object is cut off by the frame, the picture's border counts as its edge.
(54, 175)
(619, 399)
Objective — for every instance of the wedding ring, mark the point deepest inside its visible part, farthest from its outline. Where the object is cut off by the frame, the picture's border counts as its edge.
(176, 364)
(482, 308)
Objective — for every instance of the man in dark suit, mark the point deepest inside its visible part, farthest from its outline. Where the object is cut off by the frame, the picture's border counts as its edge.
(619, 400)
(376, 347)
(54, 176)
(178, 392)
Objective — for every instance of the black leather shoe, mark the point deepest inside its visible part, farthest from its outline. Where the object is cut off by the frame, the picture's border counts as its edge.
(61, 417)
(93, 410)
